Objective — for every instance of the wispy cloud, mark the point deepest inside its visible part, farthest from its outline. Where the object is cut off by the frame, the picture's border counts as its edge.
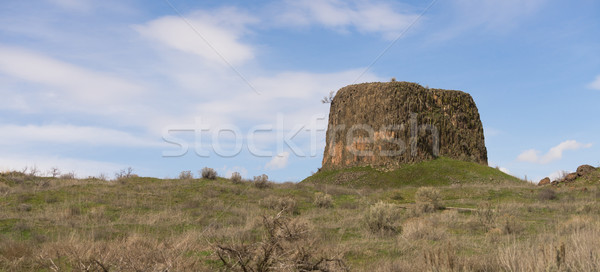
(208, 35)
(61, 80)
(369, 16)
(595, 85)
(555, 153)
(72, 135)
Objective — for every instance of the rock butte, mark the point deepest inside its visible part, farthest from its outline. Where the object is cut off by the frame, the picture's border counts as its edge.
(394, 123)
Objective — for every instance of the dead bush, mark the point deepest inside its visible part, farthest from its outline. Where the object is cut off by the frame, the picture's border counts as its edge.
(323, 200)
(208, 173)
(186, 175)
(286, 245)
(383, 218)
(422, 229)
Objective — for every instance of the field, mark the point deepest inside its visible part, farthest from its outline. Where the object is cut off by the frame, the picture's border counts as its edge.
(441, 215)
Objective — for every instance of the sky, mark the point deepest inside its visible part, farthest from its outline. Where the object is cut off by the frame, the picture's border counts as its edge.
(165, 86)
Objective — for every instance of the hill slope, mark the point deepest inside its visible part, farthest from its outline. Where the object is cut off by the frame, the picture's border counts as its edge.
(441, 171)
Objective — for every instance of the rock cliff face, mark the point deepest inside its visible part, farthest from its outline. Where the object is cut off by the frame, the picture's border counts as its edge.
(389, 124)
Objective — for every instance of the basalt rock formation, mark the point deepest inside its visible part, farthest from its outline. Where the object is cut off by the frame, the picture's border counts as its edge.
(390, 124)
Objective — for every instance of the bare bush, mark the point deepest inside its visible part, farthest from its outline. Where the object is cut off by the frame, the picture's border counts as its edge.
(383, 218)
(70, 175)
(186, 175)
(124, 174)
(286, 245)
(419, 228)
(54, 172)
(236, 177)
(208, 173)
(262, 181)
(323, 200)
(428, 199)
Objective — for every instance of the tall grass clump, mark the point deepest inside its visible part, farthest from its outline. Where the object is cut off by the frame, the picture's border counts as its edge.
(208, 173)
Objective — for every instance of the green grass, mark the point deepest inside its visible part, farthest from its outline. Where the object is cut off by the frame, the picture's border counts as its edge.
(438, 172)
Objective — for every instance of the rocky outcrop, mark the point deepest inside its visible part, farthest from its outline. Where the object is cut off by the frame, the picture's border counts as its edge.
(585, 172)
(389, 124)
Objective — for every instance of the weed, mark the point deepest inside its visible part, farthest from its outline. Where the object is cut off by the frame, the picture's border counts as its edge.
(236, 177)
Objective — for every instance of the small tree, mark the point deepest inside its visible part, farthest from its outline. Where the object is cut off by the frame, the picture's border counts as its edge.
(328, 99)
(208, 173)
(54, 172)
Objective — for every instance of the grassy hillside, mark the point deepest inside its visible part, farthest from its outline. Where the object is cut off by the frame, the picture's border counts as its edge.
(441, 171)
(148, 224)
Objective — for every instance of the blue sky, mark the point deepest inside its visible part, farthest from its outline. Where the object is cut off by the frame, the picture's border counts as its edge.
(97, 86)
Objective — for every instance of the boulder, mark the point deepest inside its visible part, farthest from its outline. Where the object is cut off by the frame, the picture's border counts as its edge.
(585, 169)
(570, 177)
(544, 181)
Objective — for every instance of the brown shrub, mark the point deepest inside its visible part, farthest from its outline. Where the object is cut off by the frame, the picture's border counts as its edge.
(262, 181)
(236, 177)
(428, 199)
(383, 218)
(286, 204)
(208, 173)
(186, 175)
(285, 246)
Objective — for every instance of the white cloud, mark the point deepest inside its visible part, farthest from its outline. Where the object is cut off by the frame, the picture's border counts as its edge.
(596, 84)
(229, 171)
(278, 162)
(67, 134)
(505, 170)
(208, 35)
(491, 15)
(365, 16)
(555, 153)
(61, 80)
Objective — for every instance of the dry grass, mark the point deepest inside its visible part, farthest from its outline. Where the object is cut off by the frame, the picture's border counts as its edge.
(145, 224)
